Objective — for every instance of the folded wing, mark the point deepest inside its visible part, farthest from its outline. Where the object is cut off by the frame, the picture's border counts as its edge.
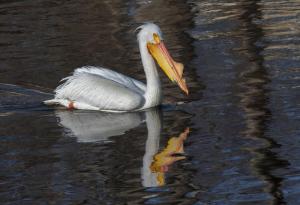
(102, 88)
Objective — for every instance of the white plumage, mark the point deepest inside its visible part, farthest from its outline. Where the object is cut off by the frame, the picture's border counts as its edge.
(96, 88)
(99, 88)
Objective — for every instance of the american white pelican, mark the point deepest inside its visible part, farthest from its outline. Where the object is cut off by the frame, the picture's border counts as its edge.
(96, 88)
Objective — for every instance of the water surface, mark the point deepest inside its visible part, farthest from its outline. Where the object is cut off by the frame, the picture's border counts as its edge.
(239, 128)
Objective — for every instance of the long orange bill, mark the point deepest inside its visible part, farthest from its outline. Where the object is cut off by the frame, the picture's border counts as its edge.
(172, 68)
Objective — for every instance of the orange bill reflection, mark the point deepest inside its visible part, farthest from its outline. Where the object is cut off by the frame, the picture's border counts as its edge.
(173, 152)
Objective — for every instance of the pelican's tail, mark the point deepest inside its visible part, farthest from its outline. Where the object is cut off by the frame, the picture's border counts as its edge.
(70, 104)
(52, 102)
(55, 101)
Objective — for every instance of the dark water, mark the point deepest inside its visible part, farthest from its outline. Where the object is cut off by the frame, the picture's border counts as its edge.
(239, 128)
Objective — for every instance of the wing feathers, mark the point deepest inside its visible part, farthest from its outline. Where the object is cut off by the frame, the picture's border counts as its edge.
(102, 88)
(115, 76)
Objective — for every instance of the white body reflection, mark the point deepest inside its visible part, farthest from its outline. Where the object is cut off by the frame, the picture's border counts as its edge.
(99, 126)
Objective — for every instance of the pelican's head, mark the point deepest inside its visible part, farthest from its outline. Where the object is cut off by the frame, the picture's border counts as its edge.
(152, 36)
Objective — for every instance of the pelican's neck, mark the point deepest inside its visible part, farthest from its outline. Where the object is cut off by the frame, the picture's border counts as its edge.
(153, 94)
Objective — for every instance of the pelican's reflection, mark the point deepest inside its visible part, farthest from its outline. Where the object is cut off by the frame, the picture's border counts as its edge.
(99, 126)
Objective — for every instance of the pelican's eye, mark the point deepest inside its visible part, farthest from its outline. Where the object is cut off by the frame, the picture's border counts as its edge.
(156, 38)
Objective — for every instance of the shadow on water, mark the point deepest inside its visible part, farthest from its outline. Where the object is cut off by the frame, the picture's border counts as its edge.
(254, 99)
